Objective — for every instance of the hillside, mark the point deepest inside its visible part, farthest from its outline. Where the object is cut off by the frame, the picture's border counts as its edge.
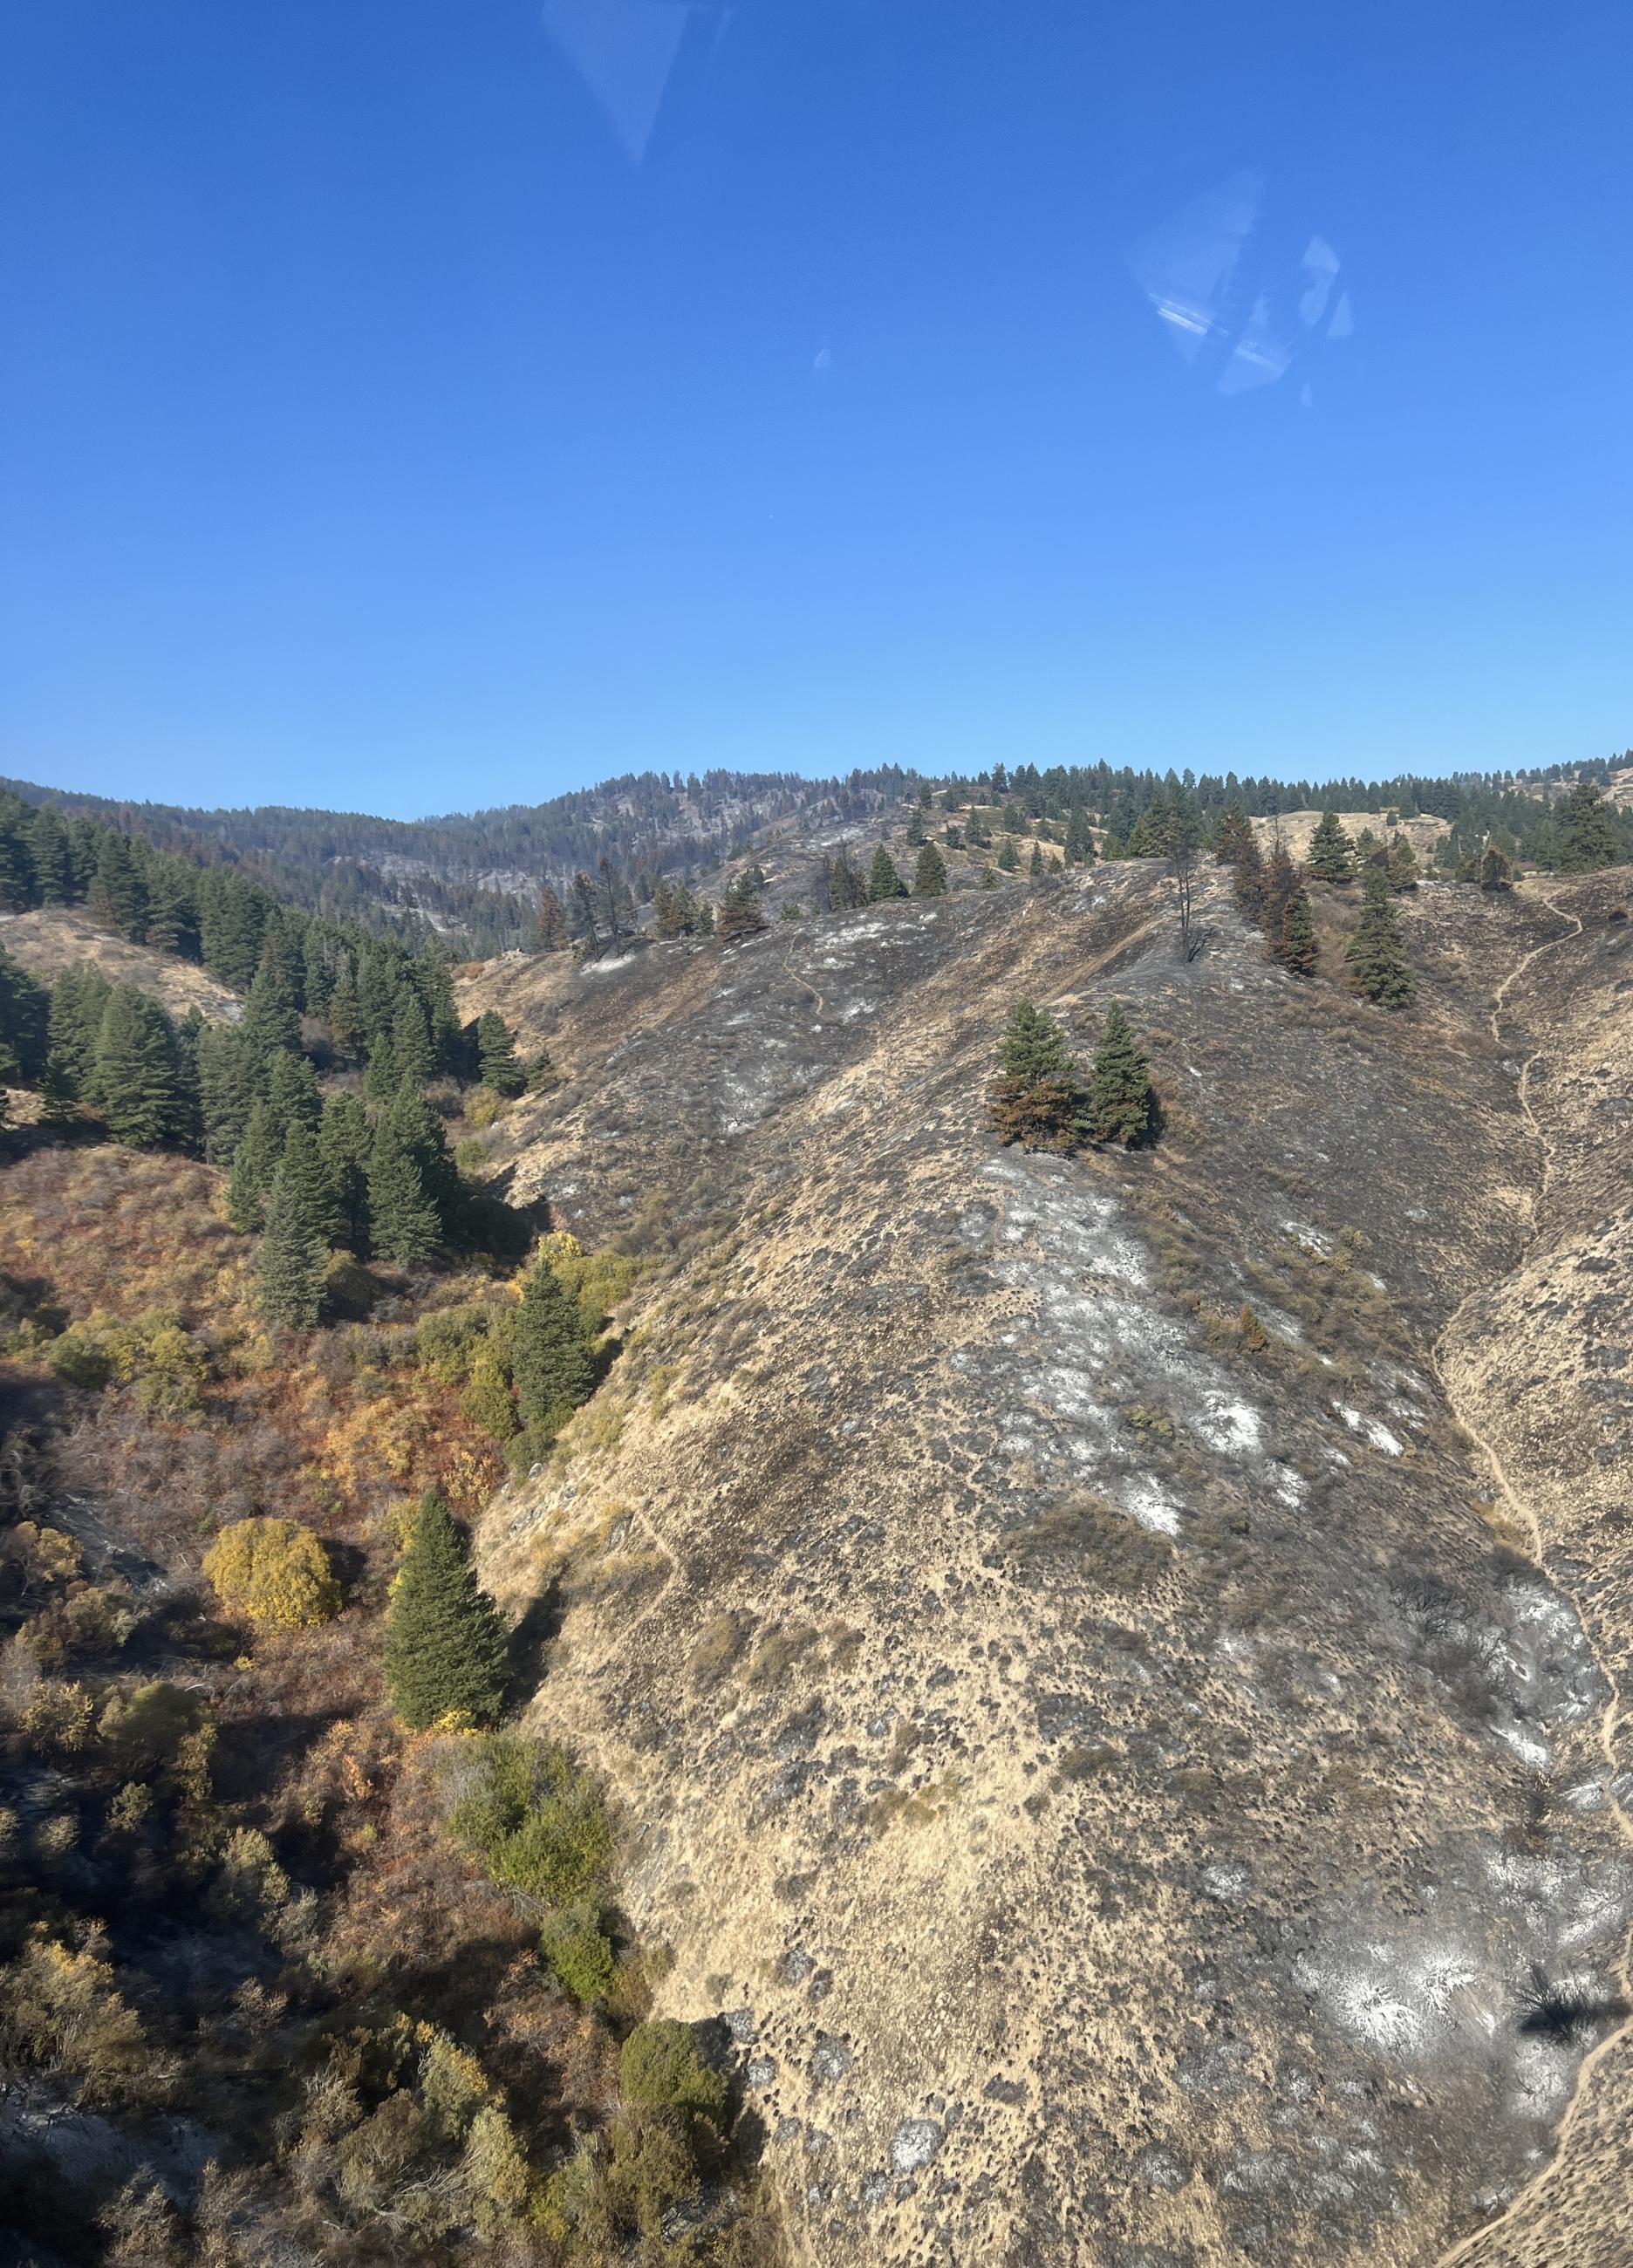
(1082, 1688)
(1115, 1761)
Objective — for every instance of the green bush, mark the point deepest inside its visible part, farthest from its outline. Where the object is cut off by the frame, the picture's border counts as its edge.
(488, 1401)
(577, 1952)
(538, 1824)
(661, 2067)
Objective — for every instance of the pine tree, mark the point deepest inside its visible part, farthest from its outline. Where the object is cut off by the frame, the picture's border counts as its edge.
(883, 881)
(134, 1086)
(1401, 868)
(291, 1091)
(293, 1252)
(272, 1016)
(1035, 865)
(1145, 837)
(255, 1161)
(444, 1654)
(1037, 1098)
(1122, 1104)
(54, 865)
(496, 1056)
(929, 875)
(989, 879)
(1079, 837)
(1332, 854)
(1497, 870)
(1377, 952)
(550, 1358)
(1587, 832)
(382, 1078)
(345, 1017)
(411, 1040)
(308, 1176)
(344, 1141)
(553, 931)
(1281, 880)
(740, 914)
(228, 1081)
(1008, 858)
(1296, 945)
(24, 1023)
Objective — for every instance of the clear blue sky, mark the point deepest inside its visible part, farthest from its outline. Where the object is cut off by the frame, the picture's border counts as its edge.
(415, 404)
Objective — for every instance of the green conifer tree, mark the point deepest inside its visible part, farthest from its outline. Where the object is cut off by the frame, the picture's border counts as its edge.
(290, 1085)
(929, 874)
(1037, 1098)
(345, 1140)
(345, 1016)
(1122, 1103)
(883, 881)
(989, 879)
(134, 1085)
(293, 1249)
(308, 1176)
(1296, 947)
(1281, 880)
(382, 1078)
(550, 1358)
(272, 1015)
(1036, 863)
(118, 896)
(1377, 952)
(1079, 837)
(1497, 870)
(1586, 831)
(255, 1161)
(24, 1023)
(443, 1656)
(1235, 834)
(54, 865)
(1332, 854)
(1008, 859)
(411, 1040)
(1401, 867)
(229, 1081)
(405, 1220)
(496, 1056)
(740, 916)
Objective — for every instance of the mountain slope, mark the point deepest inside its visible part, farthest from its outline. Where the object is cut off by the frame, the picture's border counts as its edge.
(1126, 1784)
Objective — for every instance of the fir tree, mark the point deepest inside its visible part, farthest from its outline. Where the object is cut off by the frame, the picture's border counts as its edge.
(1377, 952)
(54, 865)
(411, 1048)
(272, 1016)
(444, 1655)
(1035, 865)
(344, 1141)
(1296, 947)
(345, 1016)
(550, 1358)
(1008, 857)
(24, 1023)
(1497, 870)
(405, 1213)
(79, 999)
(929, 875)
(1079, 837)
(989, 879)
(1122, 1104)
(553, 931)
(496, 1056)
(293, 1249)
(228, 1082)
(118, 896)
(883, 881)
(173, 919)
(1401, 868)
(740, 914)
(1145, 837)
(435, 980)
(134, 1086)
(255, 1161)
(382, 1077)
(308, 1176)
(1235, 834)
(1281, 880)
(291, 1092)
(1587, 832)
(1037, 1098)
(1248, 887)
(422, 1132)
(1332, 854)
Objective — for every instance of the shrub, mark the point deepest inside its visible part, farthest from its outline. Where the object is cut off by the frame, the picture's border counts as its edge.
(488, 1401)
(276, 1572)
(483, 1107)
(142, 1730)
(538, 1824)
(661, 2067)
(577, 1952)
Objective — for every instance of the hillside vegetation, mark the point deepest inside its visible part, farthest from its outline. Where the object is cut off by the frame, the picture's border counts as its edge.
(918, 1559)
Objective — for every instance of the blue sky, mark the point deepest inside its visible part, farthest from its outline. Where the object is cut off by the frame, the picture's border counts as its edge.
(414, 404)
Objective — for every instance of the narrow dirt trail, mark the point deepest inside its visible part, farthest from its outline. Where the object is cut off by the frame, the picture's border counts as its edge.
(1466, 2248)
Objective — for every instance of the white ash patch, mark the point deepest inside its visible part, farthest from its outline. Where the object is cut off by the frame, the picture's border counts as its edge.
(1225, 1879)
(1372, 1430)
(914, 2144)
(1228, 1424)
(1151, 1507)
(606, 968)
